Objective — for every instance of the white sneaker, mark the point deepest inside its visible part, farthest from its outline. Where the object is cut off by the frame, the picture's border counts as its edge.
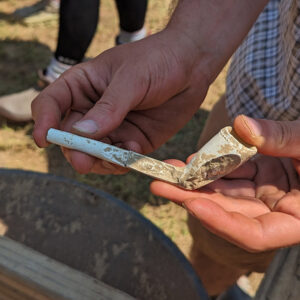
(17, 107)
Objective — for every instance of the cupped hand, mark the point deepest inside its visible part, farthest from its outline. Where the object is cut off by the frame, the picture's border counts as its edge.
(134, 96)
(257, 207)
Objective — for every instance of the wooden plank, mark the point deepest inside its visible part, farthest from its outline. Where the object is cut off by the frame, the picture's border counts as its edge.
(27, 274)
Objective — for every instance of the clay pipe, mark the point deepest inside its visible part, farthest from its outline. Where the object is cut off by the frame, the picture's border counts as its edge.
(218, 157)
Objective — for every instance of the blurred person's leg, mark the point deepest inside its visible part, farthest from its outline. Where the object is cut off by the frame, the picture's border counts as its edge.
(77, 30)
(213, 274)
(77, 26)
(78, 23)
(217, 119)
(219, 263)
(132, 15)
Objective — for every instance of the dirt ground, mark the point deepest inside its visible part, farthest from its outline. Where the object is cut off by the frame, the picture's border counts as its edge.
(25, 47)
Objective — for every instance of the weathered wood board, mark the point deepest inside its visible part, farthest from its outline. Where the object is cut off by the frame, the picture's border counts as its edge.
(27, 274)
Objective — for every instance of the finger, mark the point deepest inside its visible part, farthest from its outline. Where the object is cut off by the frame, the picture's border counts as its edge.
(245, 171)
(246, 205)
(47, 109)
(84, 163)
(105, 168)
(175, 162)
(130, 137)
(98, 166)
(233, 188)
(73, 89)
(291, 172)
(66, 154)
(296, 164)
(81, 162)
(271, 180)
(110, 110)
(160, 118)
(290, 204)
(273, 138)
(266, 232)
(163, 189)
(190, 158)
(171, 192)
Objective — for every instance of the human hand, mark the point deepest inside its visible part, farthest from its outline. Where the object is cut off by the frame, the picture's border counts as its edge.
(274, 138)
(254, 209)
(134, 96)
(257, 207)
(138, 95)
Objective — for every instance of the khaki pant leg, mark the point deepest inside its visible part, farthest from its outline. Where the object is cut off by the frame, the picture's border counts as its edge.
(217, 119)
(217, 262)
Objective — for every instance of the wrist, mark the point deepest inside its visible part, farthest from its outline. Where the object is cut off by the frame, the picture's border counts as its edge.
(210, 28)
(189, 59)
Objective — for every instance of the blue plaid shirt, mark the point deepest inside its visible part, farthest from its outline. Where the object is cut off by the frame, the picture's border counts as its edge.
(263, 80)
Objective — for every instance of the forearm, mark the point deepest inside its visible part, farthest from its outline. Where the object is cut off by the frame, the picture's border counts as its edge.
(215, 27)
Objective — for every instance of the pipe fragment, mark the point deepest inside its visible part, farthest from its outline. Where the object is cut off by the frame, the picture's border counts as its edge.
(217, 158)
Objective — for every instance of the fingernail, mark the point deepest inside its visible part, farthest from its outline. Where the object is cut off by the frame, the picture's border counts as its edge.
(86, 126)
(253, 126)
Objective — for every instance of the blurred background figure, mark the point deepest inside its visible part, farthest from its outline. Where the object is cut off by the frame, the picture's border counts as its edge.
(41, 11)
(77, 30)
(78, 22)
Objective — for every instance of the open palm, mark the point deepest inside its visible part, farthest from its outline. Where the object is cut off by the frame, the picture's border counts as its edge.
(257, 207)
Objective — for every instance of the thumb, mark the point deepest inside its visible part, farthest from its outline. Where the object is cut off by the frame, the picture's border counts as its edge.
(275, 138)
(105, 116)
(111, 109)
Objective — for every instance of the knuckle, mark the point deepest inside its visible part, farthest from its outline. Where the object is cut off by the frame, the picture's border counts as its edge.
(256, 247)
(257, 243)
(107, 107)
(285, 134)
